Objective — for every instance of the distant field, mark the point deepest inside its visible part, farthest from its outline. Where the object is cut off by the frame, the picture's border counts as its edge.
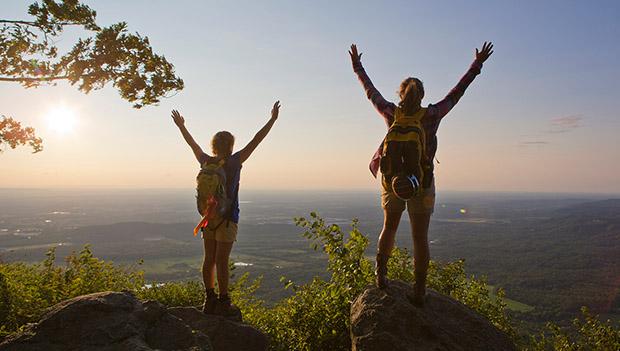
(512, 305)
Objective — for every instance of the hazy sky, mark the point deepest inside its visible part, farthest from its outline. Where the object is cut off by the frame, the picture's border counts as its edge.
(542, 116)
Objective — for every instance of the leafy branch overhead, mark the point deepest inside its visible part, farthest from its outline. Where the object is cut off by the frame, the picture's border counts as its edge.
(29, 55)
(13, 134)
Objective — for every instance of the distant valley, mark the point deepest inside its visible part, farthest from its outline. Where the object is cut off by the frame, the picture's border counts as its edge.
(552, 253)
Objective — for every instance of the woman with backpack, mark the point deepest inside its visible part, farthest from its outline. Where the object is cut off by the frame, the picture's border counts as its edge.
(218, 203)
(411, 165)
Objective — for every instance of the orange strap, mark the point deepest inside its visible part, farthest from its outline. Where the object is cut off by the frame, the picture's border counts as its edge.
(202, 224)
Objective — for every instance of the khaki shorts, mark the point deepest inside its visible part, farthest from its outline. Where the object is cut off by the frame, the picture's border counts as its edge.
(226, 231)
(424, 202)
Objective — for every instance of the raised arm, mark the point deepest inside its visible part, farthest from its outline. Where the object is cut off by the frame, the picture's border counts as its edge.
(444, 106)
(180, 122)
(385, 108)
(245, 153)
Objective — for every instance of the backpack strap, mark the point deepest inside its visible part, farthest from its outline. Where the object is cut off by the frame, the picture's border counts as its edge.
(399, 114)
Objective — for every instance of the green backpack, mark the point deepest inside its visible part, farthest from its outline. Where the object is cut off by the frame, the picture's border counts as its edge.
(211, 197)
(404, 150)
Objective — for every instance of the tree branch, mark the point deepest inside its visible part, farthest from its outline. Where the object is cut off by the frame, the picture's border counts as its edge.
(19, 22)
(34, 24)
(32, 79)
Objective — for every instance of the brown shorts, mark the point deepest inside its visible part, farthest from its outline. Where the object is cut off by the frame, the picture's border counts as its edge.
(424, 202)
(226, 231)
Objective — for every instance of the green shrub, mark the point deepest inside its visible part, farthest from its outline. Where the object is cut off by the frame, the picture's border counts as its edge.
(5, 304)
(586, 333)
(27, 290)
(190, 293)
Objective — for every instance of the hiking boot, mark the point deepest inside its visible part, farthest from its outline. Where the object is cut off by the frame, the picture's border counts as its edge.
(419, 289)
(224, 307)
(210, 303)
(381, 270)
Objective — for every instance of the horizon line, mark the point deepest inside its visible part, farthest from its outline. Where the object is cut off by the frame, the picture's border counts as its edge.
(349, 190)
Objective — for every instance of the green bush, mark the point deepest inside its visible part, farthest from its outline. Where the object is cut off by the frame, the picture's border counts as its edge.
(27, 290)
(5, 302)
(586, 333)
(190, 293)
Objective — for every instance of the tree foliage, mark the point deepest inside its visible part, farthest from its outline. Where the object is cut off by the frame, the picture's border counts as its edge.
(13, 134)
(30, 56)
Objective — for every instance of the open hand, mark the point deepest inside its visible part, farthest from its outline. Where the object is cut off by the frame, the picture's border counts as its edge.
(487, 50)
(275, 110)
(177, 118)
(355, 57)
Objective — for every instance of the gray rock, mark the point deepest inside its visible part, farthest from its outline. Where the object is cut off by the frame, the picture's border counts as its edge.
(388, 320)
(111, 321)
(226, 334)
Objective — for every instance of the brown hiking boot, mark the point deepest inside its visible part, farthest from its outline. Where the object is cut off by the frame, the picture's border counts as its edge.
(210, 303)
(224, 307)
(381, 270)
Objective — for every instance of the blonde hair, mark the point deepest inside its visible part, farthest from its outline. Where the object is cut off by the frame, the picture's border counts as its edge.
(411, 92)
(222, 143)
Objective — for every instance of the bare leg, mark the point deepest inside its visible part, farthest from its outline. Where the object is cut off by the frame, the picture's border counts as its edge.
(222, 255)
(208, 265)
(208, 275)
(386, 238)
(421, 253)
(385, 246)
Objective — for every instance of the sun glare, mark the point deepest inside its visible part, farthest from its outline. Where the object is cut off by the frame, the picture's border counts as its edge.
(61, 119)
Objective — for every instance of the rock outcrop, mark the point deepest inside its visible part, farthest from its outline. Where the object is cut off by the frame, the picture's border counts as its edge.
(225, 334)
(119, 321)
(388, 320)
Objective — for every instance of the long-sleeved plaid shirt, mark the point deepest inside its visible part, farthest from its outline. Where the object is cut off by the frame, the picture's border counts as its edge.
(430, 121)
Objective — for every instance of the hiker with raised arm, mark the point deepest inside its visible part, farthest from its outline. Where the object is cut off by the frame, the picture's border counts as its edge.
(218, 204)
(405, 159)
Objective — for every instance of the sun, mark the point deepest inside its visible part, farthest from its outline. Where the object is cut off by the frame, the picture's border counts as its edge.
(61, 119)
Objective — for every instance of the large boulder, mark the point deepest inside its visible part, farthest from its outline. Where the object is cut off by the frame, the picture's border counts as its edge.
(110, 321)
(226, 334)
(388, 320)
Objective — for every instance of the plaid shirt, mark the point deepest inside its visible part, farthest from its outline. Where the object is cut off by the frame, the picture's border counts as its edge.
(430, 121)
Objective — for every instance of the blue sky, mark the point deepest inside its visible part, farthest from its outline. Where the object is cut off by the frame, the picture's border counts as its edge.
(542, 116)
